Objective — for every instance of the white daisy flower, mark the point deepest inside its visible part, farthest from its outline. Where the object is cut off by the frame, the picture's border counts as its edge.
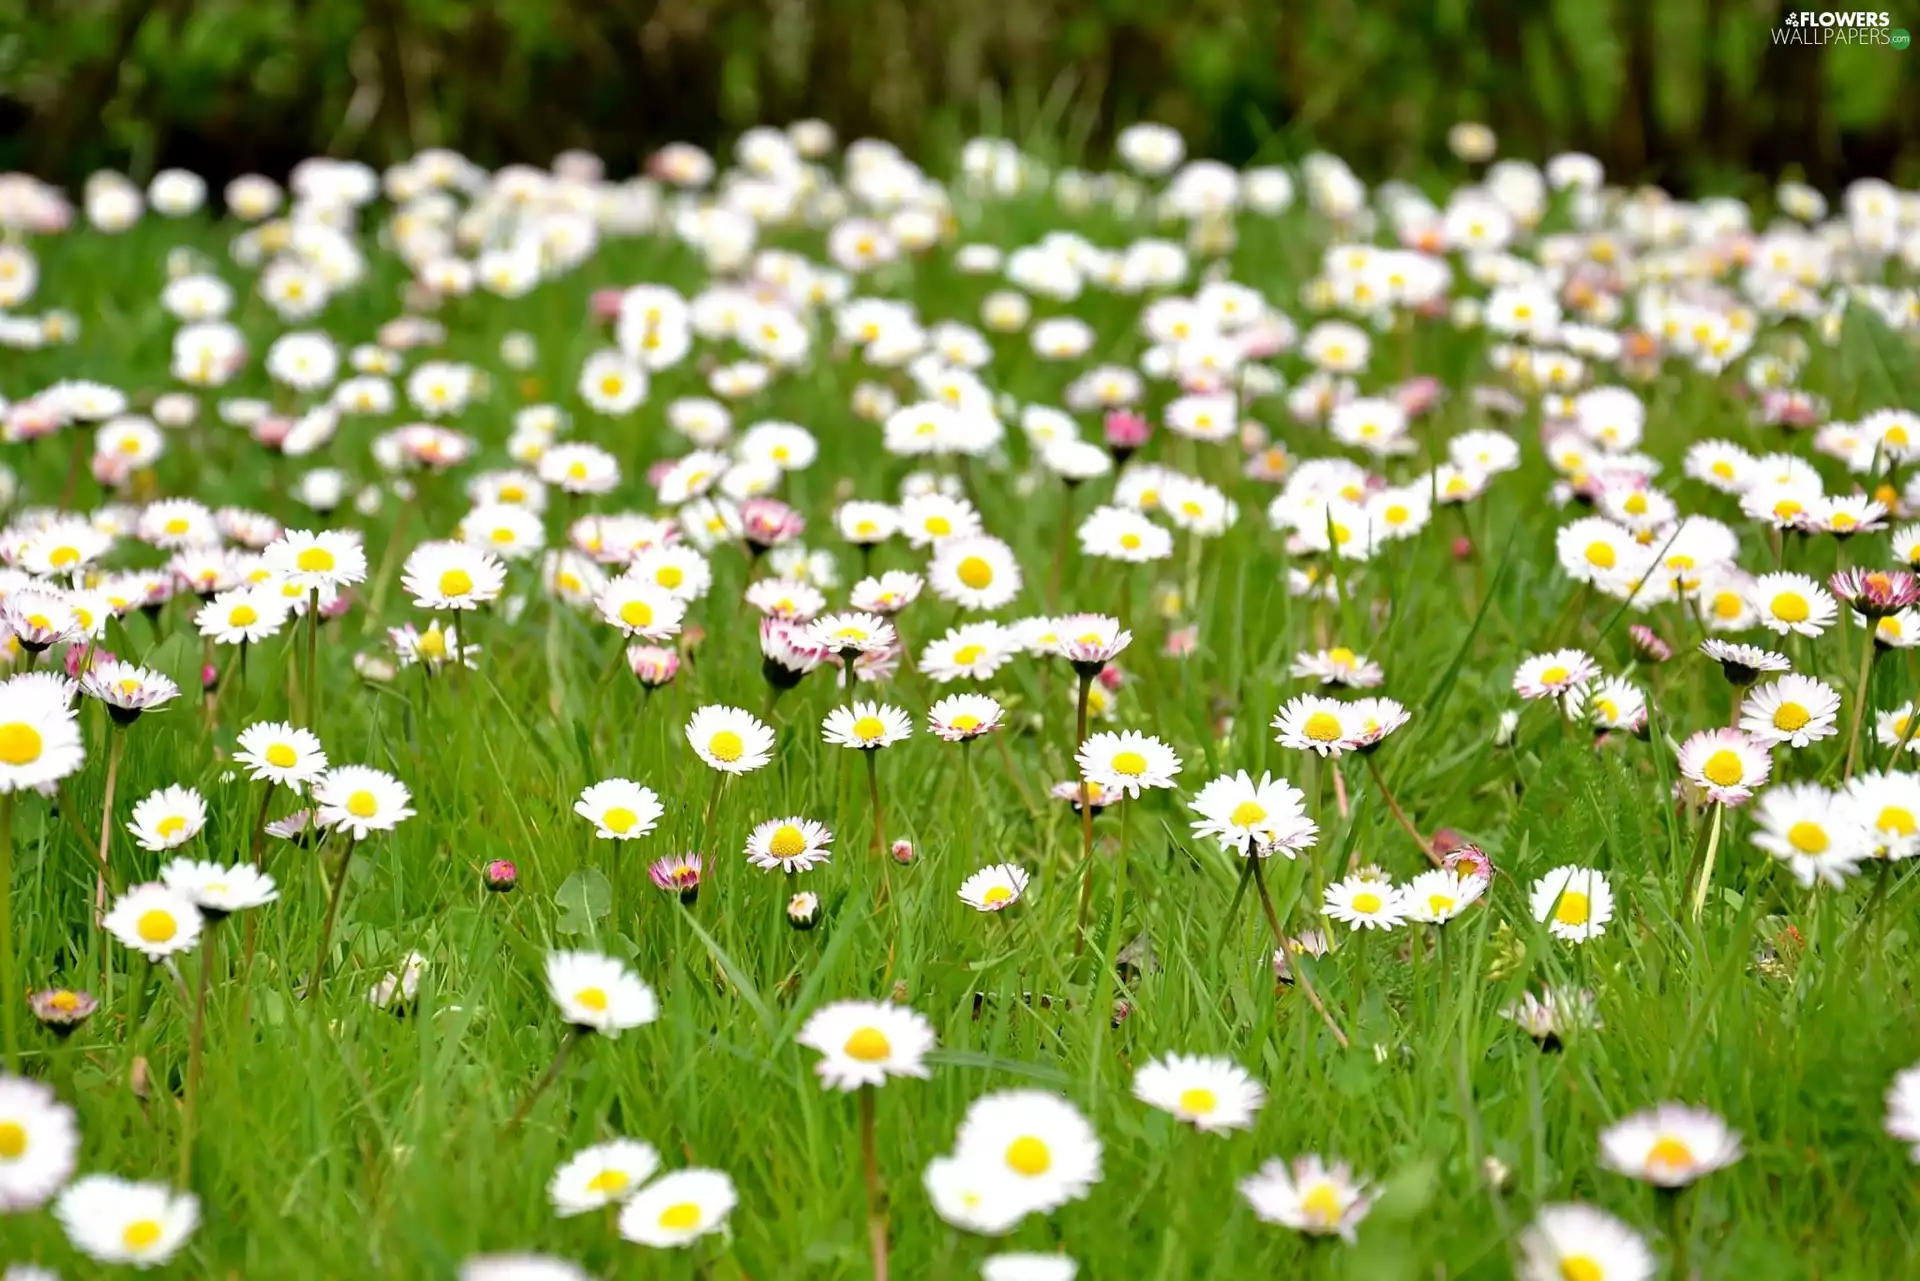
(360, 800)
(1792, 603)
(994, 888)
(641, 608)
(113, 1220)
(1036, 1144)
(1888, 805)
(1669, 1146)
(677, 1209)
(1580, 1243)
(1127, 762)
(1208, 1093)
(1309, 1195)
(39, 1144)
(619, 809)
(730, 739)
(599, 993)
(1364, 903)
(1261, 818)
(155, 921)
(789, 844)
(1439, 894)
(1820, 835)
(602, 1175)
(168, 818)
(863, 1043)
(1725, 764)
(1575, 902)
(217, 890)
(448, 575)
(281, 753)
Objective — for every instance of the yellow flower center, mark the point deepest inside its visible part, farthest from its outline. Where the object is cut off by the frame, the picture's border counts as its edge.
(1843, 523)
(1807, 837)
(1601, 554)
(1574, 908)
(1130, 541)
(1581, 1267)
(967, 655)
(244, 616)
(156, 926)
(670, 576)
(939, 526)
(280, 756)
(432, 643)
(141, 1234)
(788, 842)
(1029, 1156)
(966, 722)
(1132, 764)
(362, 804)
(609, 1182)
(869, 1045)
(177, 526)
(591, 998)
(65, 1002)
(1636, 504)
(1727, 605)
(1723, 768)
(1322, 727)
(1198, 1102)
(637, 613)
(1322, 1204)
(1246, 814)
(610, 384)
(1670, 1153)
(1790, 607)
(20, 743)
(619, 819)
(680, 1216)
(13, 1140)
(577, 471)
(456, 582)
(1897, 820)
(64, 556)
(1366, 902)
(1790, 717)
(1439, 904)
(1554, 676)
(314, 560)
(997, 894)
(868, 728)
(171, 825)
(975, 572)
(726, 746)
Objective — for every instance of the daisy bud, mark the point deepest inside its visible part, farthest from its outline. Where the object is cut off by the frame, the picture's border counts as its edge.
(1503, 732)
(209, 678)
(1125, 433)
(61, 1011)
(803, 910)
(903, 852)
(1496, 1172)
(79, 663)
(1181, 642)
(1463, 548)
(767, 523)
(500, 876)
(678, 875)
(372, 667)
(653, 665)
(1647, 645)
(605, 305)
(1468, 860)
(1111, 678)
(1121, 1009)
(1446, 841)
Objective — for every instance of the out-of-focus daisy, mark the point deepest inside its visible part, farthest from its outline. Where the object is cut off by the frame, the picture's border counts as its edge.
(39, 736)
(599, 993)
(1725, 764)
(975, 573)
(679, 1208)
(863, 1043)
(281, 753)
(168, 818)
(113, 1220)
(1575, 903)
(1669, 1146)
(1743, 664)
(1821, 836)
(1794, 710)
(360, 800)
(971, 651)
(154, 921)
(1552, 675)
(520, 1267)
(1207, 1093)
(1338, 666)
(39, 1143)
(787, 599)
(619, 809)
(1903, 1109)
(1894, 728)
(789, 844)
(960, 718)
(1365, 903)
(850, 634)
(1036, 1144)
(433, 648)
(866, 726)
(308, 560)
(641, 608)
(1581, 1243)
(1028, 1267)
(1127, 762)
(1888, 806)
(602, 1175)
(992, 888)
(730, 739)
(219, 890)
(1549, 1017)
(1261, 819)
(1309, 1195)
(889, 593)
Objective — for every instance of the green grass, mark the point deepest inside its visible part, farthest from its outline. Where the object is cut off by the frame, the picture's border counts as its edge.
(339, 1140)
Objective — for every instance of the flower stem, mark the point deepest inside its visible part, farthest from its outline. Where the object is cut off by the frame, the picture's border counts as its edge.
(312, 699)
(876, 1195)
(1705, 877)
(1399, 814)
(540, 1087)
(873, 793)
(333, 915)
(9, 997)
(196, 1037)
(1086, 823)
(1299, 968)
(1860, 704)
(119, 743)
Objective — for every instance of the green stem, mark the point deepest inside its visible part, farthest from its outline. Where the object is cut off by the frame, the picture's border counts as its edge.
(118, 739)
(1867, 657)
(196, 1037)
(333, 915)
(1705, 877)
(9, 997)
(876, 1195)
(313, 650)
(873, 794)
(1086, 824)
(1299, 965)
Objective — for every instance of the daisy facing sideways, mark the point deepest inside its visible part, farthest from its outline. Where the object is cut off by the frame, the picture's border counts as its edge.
(1207, 1093)
(677, 1209)
(1669, 1146)
(864, 1043)
(992, 889)
(1309, 1195)
(601, 1175)
(1580, 1243)
(1246, 817)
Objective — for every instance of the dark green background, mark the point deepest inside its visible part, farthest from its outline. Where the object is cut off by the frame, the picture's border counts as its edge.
(1692, 93)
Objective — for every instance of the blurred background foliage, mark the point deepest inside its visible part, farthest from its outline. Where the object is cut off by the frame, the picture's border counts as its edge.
(1692, 93)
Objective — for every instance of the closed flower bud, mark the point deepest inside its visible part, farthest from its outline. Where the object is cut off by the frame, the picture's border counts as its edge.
(803, 910)
(500, 876)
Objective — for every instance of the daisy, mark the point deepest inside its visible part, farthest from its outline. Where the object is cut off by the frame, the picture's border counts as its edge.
(677, 1209)
(1592, 548)
(1669, 1146)
(1794, 710)
(39, 737)
(1312, 723)
(1028, 1267)
(1309, 1195)
(309, 561)
(674, 568)
(505, 529)
(640, 608)
(1364, 903)
(127, 690)
(961, 718)
(39, 618)
(850, 634)
(887, 594)
(1876, 593)
(1549, 1017)
(1903, 1109)
(1792, 603)
(1551, 675)
(1122, 534)
(519, 1267)
(1581, 1243)
(360, 800)
(112, 1220)
(1575, 902)
(866, 523)
(281, 753)
(1261, 818)
(864, 1043)
(1725, 764)
(929, 519)
(452, 576)
(1888, 805)
(1819, 835)
(1127, 762)
(155, 921)
(1036, 1145)
(1210, 1094)
(730, 739)
(433, 648)
(971, 651)
(168, 818)
(1088, 641)
(38, 1144)
(243, 614)
(789, 844)
(619, 809)
(219, 891)
(1743, 664)
(1337, 666)
(1894, 728)
(787, 599)
(602, 1175)
(599, 993)
(1612, 703)
(1439, 894)
(993, 888)
(977, 572)
(867, 726)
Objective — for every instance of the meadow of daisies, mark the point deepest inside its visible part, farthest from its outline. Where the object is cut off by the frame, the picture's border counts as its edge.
(801, 715)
